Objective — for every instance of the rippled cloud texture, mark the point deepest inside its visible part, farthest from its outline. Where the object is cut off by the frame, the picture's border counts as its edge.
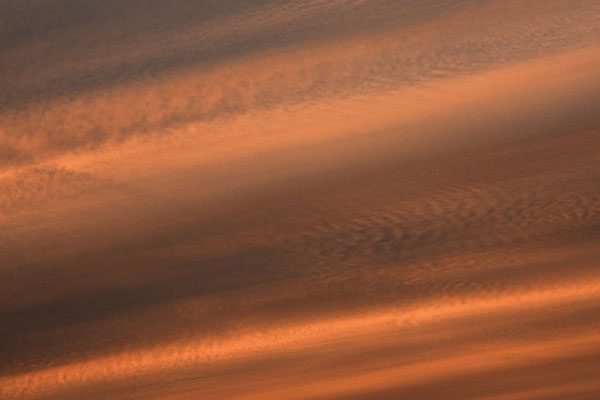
(275, 199)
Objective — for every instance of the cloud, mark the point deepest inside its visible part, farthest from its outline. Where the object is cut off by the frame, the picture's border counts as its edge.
(341, 199)
(371, 62)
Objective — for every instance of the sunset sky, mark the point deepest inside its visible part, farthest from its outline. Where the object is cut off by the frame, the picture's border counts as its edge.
(299, 199)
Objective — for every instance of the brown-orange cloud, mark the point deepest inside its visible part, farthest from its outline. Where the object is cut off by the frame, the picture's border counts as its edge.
(300, 200)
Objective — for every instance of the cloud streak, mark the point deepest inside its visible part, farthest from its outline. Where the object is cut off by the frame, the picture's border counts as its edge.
(325, 199)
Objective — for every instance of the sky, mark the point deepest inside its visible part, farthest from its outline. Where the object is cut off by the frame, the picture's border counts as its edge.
(295, 199)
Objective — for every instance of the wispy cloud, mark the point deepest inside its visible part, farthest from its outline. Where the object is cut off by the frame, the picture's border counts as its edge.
(308, 199)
